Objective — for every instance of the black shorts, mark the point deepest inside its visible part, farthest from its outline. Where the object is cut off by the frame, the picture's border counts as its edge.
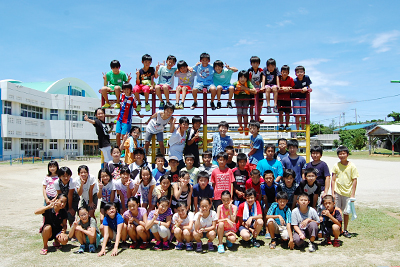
(282, 104)
(260, 99)
(217, 203)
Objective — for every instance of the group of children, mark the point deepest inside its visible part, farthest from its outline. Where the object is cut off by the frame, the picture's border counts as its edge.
(276, 194)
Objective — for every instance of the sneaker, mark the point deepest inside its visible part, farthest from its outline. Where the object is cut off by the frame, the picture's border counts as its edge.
(199, 247)
(246, 131)
(166, 245)
(189, 246)
(92, 248)
(177, 105)
(179, 246)
(272, 245)
(268, 236)
(221, 249)
(144, 245)
(158, 245)
(147, 106)
(336, 243)
(262, 232)
(229, 105)
(346, 234)
(269, 109)
(124, 245)
(161, 107)
(106, 105)
(210, 246)
(281, 127)
(133, 245)
(311, 247)
(117, 106)
(219, 105)
(255, 243)
(276, 109)
(229, 243)
(287, 128)
(213, 106)
(181, 105)
(139, 107)
(194, 105)
(328, 240)
(80, 250)
(240, 129)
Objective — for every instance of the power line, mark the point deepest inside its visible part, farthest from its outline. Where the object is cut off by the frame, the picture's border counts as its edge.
(356, 101)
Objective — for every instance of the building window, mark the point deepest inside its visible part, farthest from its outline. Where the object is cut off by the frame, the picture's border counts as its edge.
(76, 92)
(7, 107)
(53, 114)
(89, 114)
(53, 144)
(31, 146)
(31, 112)
(71, 144)
(7, 143)
(71, 115)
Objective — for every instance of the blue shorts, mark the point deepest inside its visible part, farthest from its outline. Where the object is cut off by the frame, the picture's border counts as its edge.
(123, 128)
(200, 86)
(225, 89)
(148, 136)
(96, 245)
(299, 103)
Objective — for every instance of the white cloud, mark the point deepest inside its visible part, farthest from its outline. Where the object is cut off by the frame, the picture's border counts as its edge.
(280, 24)
(383, 42)
(245, 42)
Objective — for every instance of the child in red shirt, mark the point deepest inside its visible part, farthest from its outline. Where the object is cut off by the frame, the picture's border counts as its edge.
(255, 182)
(221, 178)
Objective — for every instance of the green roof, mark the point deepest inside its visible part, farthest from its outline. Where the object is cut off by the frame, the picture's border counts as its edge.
(40, 86)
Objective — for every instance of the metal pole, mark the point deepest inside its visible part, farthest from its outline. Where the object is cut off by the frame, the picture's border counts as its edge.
(205, 139)
(308, 127)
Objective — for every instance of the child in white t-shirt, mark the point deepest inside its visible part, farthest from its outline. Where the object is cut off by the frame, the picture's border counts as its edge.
(87, 187)
(49, 192)
(183, 226)
(205, 222)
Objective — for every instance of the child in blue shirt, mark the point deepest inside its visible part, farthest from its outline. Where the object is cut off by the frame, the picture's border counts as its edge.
(222, 80)
(166, 79)
(271, 163)
(159, 171)
(204, 77)
(302, 82)
(294, 161)
(256, 145)
(220, 140)
(202, 189)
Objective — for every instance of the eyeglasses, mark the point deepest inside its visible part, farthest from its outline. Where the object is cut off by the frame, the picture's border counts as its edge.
(83, 215)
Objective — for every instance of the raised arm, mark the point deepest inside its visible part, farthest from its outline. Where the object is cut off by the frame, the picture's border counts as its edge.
(86, 118)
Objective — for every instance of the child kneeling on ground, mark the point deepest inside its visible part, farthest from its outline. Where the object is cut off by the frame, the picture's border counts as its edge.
(159, 223)
(205, 222)
(226, 213)
(86, 231)
(183, 226)
(331, 220)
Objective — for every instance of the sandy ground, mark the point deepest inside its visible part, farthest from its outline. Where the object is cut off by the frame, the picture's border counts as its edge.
(21, 194)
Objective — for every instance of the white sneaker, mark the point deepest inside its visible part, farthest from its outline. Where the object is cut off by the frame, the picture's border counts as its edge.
(311, 247)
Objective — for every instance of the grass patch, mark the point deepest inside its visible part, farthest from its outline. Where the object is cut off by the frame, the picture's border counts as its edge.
(365, 155)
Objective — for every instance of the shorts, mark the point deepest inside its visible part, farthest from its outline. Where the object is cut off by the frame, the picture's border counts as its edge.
(279, 229)
(299, 103)
(162, 85)
(148, 136)
(86, 205)
(341, 202)
(145, 199)
(141, 88)
(242, 105)
(216, 203)
(260, 98)
(200, 86)
(225, 89)
(270, 86)
(96, 245)
(122, 128)
(75, 203)
(161, 230)
(282, 104)
(244, 228)
(188, 88)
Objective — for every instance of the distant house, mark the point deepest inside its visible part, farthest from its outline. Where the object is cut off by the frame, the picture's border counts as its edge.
(324, 140)
(366, 126)
(389, 132)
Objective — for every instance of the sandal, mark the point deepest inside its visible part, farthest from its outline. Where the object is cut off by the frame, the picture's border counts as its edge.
(272, 245)
(57, 245)
(43, 251)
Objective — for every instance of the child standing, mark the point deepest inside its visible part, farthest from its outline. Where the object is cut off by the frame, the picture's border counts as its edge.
(222, 80)
(271, 83)
(159, 171)
(205, 222)
(256, 145)
(135, 220)
(144, 186)
(185, 82)
(289, 186)
(244, 90)
(305, 223)
(54, 223)
(331, 220)
(144, 82)
(130, 143)
(286, 83)
(193, 171)
(202, 190)
(49, 191)
(231, 152)
(87, 187)
(255, 182)
(302, 82)
(204, 73)
(221, 178)
(270, 163)
(156, 125)
(294, 161)
(344, 184)
(309, 187)
(166, 80)
(241, 175)
(86, 231)
(269, 190)
(255, 74)
(178, 139)
(116, 164)
(103, 132)
(113, 81)
(226, 213)
(159, 223)
(220, 140)
(182, 222)
(193, 139)
(208, 165)
(323, 174)
(106, 190)
(124, 188)
(282, 151)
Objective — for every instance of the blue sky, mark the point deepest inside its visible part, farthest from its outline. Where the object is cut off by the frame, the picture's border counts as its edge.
(350, 49)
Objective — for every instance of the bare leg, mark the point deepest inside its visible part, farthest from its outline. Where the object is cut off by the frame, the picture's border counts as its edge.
(104, 93)
(213, 91)
(231, 91)
(184, 92)
(166, 92)
(178, 93)
(158, 92)
(117, 91)
(162, 150)
(268, 95)
(194, 93)
(220, 230)
(275, 92)
(118, 139)
(219, 91)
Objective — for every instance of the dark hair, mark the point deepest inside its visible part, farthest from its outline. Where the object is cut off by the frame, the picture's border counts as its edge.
(172, 57)
(97, 109)
(189, 156)
(229, 148)
(300, 68)
(223, 155)
(316, 149)
(127, 86)
(108, 206)
(326, 197)
(169, 105)
(166, 177)
(269, 172)
(223, 124)
(160, 156)
(203, 174)
(62, 195)
(282, 139)
(341, 149)
(254, 123)
(182, 173)
(181, 63)
(134, 128)
(115, 64)
(183, 120)
(64, 170)
(163, 199)
(243, 73)
(139, 150)
(106, 171)
(115, 147)
(181, 204)
(289, 172)
(197, 119)
(241, 156)
(147, 57)
(293, 142)
(255, 59)
(206, 153)
(250, 192)
(82, 208)
(124, 169)
(310, 170)
(282, 195)
(145, 168)
(205, 199)
(302, 195)
(269, 145)
(204, 55)
(271, 61)
(285, 67)
(225, 192)
(218, 63)
(52, 163)
(133, 199)
(255, 172)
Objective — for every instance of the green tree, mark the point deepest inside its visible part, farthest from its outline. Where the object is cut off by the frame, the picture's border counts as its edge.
(353, 139)
(394, 115)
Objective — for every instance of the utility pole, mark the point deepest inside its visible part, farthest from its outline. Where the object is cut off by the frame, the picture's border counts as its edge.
(344, 120)
(355, 111)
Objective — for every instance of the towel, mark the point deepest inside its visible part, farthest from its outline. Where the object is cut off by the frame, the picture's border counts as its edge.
(350, 208)
(247, 213)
